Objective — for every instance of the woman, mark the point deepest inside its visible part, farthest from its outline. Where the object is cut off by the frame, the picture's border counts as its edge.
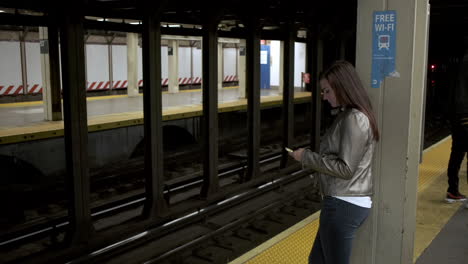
(343, 164)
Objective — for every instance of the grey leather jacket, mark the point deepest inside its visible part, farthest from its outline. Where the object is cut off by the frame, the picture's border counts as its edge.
(344, 164)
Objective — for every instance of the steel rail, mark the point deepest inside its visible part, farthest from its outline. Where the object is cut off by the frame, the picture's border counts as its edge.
(54, 227)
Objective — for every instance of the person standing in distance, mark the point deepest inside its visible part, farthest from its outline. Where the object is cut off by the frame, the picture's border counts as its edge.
(458, 117)
(343, 165)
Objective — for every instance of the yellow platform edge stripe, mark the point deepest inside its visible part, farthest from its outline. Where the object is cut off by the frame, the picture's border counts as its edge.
(433, 167)
(310, 220)
(432, 164)
(96, 123)
(96, 98)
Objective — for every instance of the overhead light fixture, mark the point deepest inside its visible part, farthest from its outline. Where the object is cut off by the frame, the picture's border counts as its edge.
(135, 23)
(2, 11)
(101, 19)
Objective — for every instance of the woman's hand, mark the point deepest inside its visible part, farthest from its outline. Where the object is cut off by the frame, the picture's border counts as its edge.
(297, 154)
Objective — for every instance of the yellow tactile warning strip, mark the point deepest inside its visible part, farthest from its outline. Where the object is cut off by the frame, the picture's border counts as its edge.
(435, 161)
(432, 211)
(291, 246)
(50, 129)
(294, 244)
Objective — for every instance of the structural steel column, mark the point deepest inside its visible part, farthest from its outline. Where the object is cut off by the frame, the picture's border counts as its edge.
(288, 93)
(110, 61)
(220, 66)
(387, 237)
(155, 205)
(314, 67)
(210, 106)
(24, 63)
(281, 68)
(75, 126)
(253, 97)
(173, 63)
(132, 64)
(50, 63)
(241, 68)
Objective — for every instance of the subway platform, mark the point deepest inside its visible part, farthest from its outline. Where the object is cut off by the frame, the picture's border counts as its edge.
(441, 228)
(441, 234)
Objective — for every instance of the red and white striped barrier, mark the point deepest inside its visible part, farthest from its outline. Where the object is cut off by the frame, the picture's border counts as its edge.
(11, 90)
(101, 86)
(230, 78)
(183, 81)
(196, 80)
(36, 88)
(97, 86)
(18, 89)
(120, 84)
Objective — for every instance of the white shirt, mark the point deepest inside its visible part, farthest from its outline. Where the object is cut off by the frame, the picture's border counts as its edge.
(362, 201)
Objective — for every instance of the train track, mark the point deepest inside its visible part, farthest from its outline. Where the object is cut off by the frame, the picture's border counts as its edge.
(225, 243)
(223, 231)
(176, 190)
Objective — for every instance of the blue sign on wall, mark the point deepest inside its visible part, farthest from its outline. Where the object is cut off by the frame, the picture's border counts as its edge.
(265, 67)
(383, 46)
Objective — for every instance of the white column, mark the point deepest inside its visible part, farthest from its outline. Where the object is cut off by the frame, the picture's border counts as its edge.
(45, 71)
(132, 64)
(173, 64)
(281, 69)
(387, 236)
(241, 69)
(220, 65)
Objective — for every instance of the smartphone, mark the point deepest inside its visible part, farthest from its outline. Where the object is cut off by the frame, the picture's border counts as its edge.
(288, 149)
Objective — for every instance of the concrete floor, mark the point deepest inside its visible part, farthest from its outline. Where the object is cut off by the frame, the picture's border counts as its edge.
(451, 245)
(32, 113)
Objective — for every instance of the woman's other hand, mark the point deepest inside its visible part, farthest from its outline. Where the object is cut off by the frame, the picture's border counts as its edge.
(297, 154)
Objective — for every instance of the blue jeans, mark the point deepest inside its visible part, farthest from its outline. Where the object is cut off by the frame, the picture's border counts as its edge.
(339, 221)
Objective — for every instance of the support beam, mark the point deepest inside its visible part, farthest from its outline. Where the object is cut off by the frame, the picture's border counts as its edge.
(210, 106)
(192, 79)
(288, 93)
(22, 20)
(388, 234)
(132, 65)
(155, 205)
(253, 97)
(50, 63)
(173, 65)
(24, 64)
(314, 67)
(281, 68)
(110, 62)
(241, 69)
(220, 66)
(75, 127)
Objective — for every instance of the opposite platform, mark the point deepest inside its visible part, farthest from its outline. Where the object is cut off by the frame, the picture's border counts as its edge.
(128, 116)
